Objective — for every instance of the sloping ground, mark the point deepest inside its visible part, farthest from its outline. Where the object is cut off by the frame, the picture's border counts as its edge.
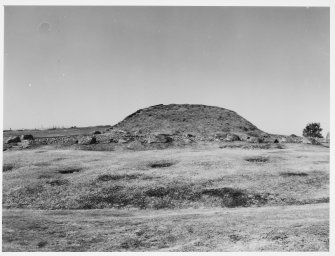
(200, 120)
(171, 178)
(291, 228)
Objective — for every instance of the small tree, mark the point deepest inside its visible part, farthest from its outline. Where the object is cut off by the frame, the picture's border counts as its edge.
(312, 130)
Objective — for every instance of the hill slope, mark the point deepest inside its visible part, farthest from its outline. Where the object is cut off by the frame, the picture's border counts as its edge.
(200, 120)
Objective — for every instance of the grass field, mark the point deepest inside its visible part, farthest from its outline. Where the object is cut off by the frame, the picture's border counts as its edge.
(201, 198)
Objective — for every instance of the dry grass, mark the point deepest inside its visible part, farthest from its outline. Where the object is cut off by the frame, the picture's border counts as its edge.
(293, 228)
(167, 181)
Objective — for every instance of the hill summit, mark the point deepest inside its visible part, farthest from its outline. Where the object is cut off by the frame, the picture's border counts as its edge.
(201, 121)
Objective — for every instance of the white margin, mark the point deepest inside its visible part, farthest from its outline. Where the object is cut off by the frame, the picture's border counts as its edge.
(288, 3)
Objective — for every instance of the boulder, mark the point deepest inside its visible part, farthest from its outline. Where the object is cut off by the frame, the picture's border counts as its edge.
(189, 135)
(113, 140)
(232, 137)
(260, 140)
(26, 143)
(87, 140)
(123, 140)
(27, 137)
(276, 141)
(96, 132)
(283, 140)
(220, 136)
(252, 139)
(159, 138)
(13, 139)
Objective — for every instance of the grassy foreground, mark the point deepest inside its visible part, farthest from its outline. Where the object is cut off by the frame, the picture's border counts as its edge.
(194, 199)
(288, 228)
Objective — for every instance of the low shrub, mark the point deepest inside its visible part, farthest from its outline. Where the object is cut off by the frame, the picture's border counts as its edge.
(8, 167)
(108, 177)
(68, 171)
(288, 174)
(161, 164)
(257, 159)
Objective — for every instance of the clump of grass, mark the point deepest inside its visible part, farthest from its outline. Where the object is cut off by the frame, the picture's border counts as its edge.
(289, 174)
(161, 164)
(257, 159)
(40, 151)
(175, 192)
(42, 244)
(113, 196)
(58, 182)
(8, 167)
(45, 176)
(69, 171)
(42, 164)
(232, 197)
(108, 177)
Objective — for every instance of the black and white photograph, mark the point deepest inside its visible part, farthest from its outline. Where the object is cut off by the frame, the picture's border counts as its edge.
(166, 128)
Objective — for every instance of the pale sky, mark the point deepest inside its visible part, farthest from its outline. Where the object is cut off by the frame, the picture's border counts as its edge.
(86, 66)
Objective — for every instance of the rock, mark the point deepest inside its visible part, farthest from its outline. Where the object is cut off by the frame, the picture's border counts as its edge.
(309, 140)
(252, 140)
(283, 140)
(87, 140)
(232, 137)
(159, 138)
(123, 140)
(27, 143)
(27, 137)
(13, 139)
(276, 141)
(220, 136)
(260, 140)
(96, 132)
(190, 135)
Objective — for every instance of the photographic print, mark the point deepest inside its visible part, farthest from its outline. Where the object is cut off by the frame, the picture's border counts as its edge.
(166, 128)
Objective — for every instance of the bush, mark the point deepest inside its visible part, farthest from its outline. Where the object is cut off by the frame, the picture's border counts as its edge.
(312, 130)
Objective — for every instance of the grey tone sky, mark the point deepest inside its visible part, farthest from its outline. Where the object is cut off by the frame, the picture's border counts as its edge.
(88, 66)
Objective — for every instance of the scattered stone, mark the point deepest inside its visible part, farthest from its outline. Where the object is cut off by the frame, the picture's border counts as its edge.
(252, 140)
(159, 138)
(283, 140)
(26, 143)
(220, 136)
(232, 137)
(87, 140)
(190, 135)
(123, 140)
